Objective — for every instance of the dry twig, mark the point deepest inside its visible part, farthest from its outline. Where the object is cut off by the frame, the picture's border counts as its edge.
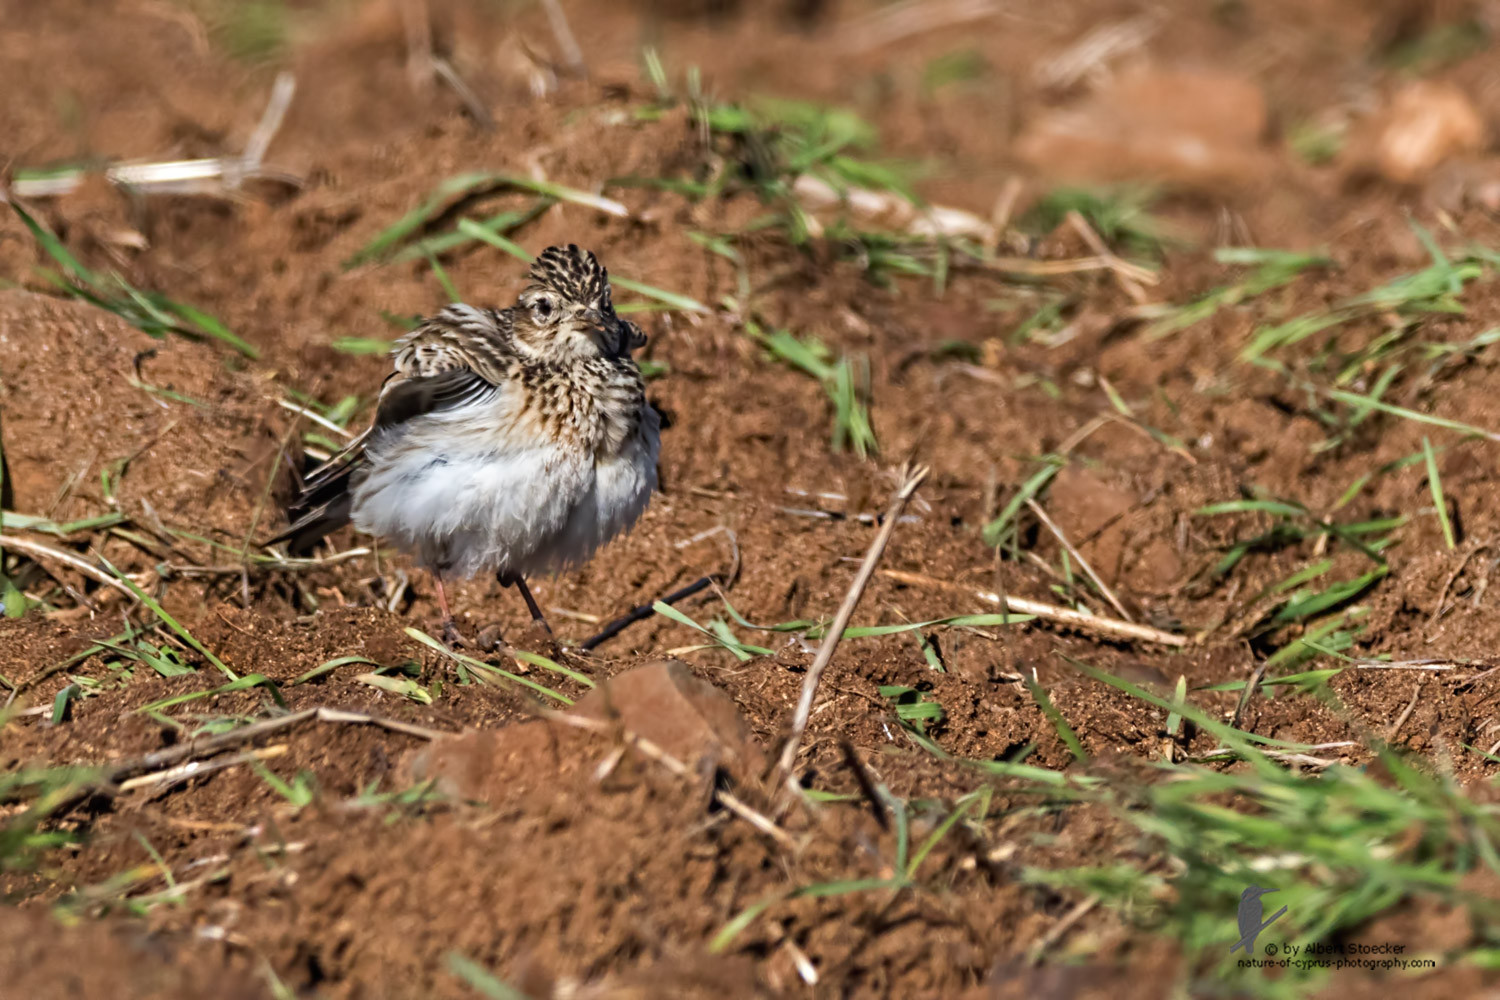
(1250, 687)
(207, 747)
(1090, 55)
(1109, 595)
(649, 749)
(471, 102)
(911, 479)
(216, 176)
(197, 768)
(418, 24)
(39, 552)
(567, 45)
(1290, 757)
(900, 21)
(1063, 925)
(1411, 706)
(1437, 606)
(643, 612)
(1076, 619)
(1129, 276)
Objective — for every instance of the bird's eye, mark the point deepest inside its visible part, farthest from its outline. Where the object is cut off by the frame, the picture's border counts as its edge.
(543, 307)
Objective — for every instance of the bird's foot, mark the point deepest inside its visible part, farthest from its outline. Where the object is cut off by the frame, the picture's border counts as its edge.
(539, 638)
(535, 637)
(491, 638)
(452, 637)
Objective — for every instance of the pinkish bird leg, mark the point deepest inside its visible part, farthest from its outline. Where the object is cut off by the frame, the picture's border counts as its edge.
(451, 635)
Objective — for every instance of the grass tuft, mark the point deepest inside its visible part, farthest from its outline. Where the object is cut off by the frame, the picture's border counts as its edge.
(851, 415)
(151, 312)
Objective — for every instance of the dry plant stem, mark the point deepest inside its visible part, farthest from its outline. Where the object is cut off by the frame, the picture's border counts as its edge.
(194, 749)
(866, 783)
(1090, 55)
(649, 749)
(567, 45)
(270, 565)
(1250, 687)
(40, 552)
(195, 768)
(1005, 207)
(1051, 612)
(1052, 268)
(418, 23)
(1083, 433)
(900, 21)
(1300, 758)
(1437, 607)
(1061, 928)
(471, 102)
(1411, 706)
(210, 176)
(260, 504)
(316, 418)
(911, 480)
(1109, 595)
(1127, 275)
(1429, 665)
(282, 92)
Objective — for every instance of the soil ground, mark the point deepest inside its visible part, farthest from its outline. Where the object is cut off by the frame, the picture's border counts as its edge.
(572, 879)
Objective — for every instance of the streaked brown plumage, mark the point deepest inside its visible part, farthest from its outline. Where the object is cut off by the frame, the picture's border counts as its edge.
(513, 441)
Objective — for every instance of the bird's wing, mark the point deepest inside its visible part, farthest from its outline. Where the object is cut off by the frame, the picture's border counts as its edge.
(459, 357)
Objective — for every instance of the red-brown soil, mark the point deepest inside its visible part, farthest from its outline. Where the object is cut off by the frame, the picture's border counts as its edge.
(568, 881)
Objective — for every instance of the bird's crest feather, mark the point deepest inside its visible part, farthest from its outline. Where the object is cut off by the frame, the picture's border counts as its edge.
(573, 273)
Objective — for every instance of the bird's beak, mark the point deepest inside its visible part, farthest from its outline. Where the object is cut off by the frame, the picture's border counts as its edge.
(605, 332)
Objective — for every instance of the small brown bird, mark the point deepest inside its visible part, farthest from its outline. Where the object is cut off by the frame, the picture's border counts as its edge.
(514, 441)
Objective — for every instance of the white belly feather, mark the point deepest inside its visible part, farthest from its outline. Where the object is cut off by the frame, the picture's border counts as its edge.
(464, 505)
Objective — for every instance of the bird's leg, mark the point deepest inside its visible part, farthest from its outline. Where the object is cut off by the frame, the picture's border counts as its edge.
(519, 582)
(450, 630)
(643, 612)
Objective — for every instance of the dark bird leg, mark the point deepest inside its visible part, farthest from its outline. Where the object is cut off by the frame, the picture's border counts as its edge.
(643, 612)
(519, 582)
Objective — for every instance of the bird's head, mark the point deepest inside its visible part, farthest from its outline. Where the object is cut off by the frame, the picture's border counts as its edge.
(1255, 892)
(566, 314)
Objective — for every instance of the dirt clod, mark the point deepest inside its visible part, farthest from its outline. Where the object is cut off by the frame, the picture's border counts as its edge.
(684, 715)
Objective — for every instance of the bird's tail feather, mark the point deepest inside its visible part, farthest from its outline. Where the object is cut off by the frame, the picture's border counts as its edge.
(321, 509)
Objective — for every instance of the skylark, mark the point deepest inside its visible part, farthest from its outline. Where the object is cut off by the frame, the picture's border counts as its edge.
(513, 441)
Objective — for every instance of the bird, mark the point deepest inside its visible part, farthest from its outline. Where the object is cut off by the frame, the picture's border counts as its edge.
(512, 441)
(1249, 914)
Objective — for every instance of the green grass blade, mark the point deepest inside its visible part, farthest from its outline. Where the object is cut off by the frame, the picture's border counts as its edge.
(1355, 399)
(485, 669)
(1064, 731)
(171, 623)
(441, 273)
(1436, 485)
(676, 301)
(430, 208)
(330, 666)
(995, 530)
(470, 228)
(480, 979)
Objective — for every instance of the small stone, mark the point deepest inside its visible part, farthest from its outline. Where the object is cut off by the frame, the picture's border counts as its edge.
(685, 716)
(1199, 129)
(661, 702)
(1428, 123)
(1091, 512)
(479, 765)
